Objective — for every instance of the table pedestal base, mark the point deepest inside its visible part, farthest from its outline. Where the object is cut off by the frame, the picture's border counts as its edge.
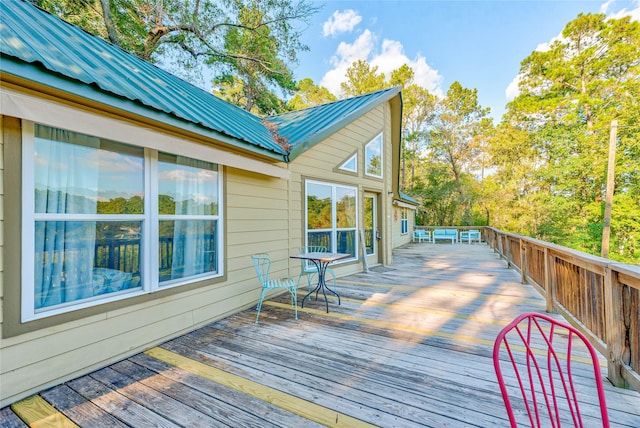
(322, 285)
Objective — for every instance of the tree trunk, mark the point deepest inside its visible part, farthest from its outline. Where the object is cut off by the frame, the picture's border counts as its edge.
(108, 22)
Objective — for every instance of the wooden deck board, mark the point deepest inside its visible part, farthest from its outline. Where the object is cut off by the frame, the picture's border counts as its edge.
(329, 369)
(78, 409)
(410, 345)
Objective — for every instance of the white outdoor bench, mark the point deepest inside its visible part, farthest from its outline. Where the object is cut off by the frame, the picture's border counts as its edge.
(470, 235)
(446, 234)
(421, 235)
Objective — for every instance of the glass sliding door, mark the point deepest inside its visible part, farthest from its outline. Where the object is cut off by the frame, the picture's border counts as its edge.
(370, 224)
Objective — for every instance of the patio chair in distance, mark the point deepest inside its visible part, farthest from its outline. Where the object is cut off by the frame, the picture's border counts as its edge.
(309, 269)
(262, 264)
(534, 355)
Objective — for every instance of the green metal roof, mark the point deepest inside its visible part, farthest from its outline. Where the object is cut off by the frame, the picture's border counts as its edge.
(304, 128)
(31, 35)
(43, 48)
(406, 198)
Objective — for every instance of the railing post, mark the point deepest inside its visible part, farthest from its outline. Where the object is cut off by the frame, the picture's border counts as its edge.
(508, 252)
(615, 328)
(549, 281)
(524, 268)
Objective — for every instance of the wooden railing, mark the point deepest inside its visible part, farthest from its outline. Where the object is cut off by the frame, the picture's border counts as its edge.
(597, 295)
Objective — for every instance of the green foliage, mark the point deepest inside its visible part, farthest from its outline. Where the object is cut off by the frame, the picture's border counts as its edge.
(256, 40)
(309, 94)
(459, 123)
(362, 79)
(133, 205)
(452, 129)
(252, 59)
(419, 110)
(318, 212)
(555, 139)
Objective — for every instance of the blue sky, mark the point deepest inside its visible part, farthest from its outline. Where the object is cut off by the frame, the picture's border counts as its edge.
(479, 43)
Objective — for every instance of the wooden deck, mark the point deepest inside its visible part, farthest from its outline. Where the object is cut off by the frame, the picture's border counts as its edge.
(410, 345)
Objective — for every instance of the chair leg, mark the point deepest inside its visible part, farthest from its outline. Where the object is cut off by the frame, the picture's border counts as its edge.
(294, 299)
(259, 307)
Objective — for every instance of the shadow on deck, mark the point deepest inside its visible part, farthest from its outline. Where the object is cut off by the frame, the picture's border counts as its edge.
(410, 345)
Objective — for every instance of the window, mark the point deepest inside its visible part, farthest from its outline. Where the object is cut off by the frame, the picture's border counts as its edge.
(107, 220)
(351, 164)
(373, 157)
(404, 221)
(331, 212)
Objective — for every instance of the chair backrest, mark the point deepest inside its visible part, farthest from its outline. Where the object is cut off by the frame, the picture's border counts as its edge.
(533, 358)
(262, 264)
(312, 249)
(306, 264)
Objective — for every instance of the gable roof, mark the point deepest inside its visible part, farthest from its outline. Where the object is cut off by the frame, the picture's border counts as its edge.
(63, 55)
(302, 129)
(39, 47)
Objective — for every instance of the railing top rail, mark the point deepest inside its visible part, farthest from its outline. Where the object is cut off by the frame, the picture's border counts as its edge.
(596, 263)
(450, 227)
(627, 269)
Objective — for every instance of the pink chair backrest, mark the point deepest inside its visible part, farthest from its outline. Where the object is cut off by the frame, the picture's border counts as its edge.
(535, 355)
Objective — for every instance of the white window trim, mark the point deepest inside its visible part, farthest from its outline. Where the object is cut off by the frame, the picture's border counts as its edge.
(404, 219)
(381, 175)
(334, 240)
(149, 283)
(354, 157)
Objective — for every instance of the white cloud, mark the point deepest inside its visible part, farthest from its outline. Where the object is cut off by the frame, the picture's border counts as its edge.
(512, 90)
(634, 13)
(341, 22)
(607, 8)
(390, 57)
(604, 7)
(545, 46)
(345, 55)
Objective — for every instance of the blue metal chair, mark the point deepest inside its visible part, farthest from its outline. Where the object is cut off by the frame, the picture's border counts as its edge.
(309, 269)
(262, 264)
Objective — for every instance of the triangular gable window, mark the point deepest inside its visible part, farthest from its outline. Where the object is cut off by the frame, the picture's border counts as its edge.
(351, 164)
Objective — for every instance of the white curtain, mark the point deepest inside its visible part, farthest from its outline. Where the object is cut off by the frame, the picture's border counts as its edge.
(65, 183)
(194, 188)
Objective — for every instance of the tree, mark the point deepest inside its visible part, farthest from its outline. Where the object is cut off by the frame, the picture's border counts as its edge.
(362, 78)
(188, 37)
(252, 58)
(457, 128)
(568, 96)
(455, 137)
(418, 115)
(260, 100)
(309, 94)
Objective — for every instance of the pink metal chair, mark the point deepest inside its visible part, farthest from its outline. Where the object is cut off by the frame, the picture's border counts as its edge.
(535, 354)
